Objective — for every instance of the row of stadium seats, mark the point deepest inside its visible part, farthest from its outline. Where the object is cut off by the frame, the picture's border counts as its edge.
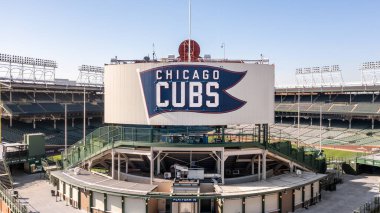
(340, 98)
(50, 108)
(358, 108)
(47, 97)
(330, 136)
(53, 136)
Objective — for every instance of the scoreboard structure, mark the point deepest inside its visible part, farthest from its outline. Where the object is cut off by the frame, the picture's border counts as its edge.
(189, 93)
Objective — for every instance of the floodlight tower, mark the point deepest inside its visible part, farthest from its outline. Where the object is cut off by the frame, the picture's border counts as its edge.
(27, 69)
(319, 76)
(90, 75)
(370, 72)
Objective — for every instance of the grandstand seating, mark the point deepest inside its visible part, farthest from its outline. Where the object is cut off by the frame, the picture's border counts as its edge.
(63, 97)
(330, 136)
(341, 108)
(39, 97)
(53, 136)
(21, 97)
(367, 108)
(50, 108)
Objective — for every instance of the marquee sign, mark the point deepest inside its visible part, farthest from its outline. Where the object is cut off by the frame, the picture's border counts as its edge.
(183, 93)
(190, 88)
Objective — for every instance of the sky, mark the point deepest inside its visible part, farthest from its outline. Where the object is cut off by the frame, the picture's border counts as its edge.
(291, 33)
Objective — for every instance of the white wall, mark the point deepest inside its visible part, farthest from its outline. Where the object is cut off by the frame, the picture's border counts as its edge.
(114, 204)
(67, 190)
(75, 194)
(60, 187)
(307, 192)
(298, 197)
(271, 202)
(316, 189)
(135, 205)
(253, 204)
(123, 87)
(232, 206)
(98, 200)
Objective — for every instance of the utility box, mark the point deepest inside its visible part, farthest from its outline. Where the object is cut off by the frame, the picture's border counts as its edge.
(196, 174)
(36, 144)
(36, 151)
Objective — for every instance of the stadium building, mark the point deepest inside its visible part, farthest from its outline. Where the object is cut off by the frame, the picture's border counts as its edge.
(172, 142)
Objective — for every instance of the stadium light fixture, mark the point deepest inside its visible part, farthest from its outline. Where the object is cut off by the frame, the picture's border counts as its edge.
(27, 60)
(370, 65)
(326, 75)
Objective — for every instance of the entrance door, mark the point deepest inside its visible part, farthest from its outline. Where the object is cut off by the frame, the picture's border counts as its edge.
(184, 207)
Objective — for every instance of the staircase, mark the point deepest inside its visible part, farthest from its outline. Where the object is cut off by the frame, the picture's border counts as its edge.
(5, 176)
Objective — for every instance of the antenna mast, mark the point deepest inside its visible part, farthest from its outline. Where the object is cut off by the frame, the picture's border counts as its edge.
(154, 53)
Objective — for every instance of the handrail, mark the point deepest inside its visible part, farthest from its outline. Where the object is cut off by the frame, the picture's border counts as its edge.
(105, 138)
(12, 202)
(8, 172)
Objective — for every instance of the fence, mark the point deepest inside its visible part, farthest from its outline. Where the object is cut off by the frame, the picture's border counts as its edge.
(372, 206)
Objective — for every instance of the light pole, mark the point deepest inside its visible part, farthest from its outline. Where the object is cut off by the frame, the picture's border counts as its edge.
(224, 50)
(84, 115)
(320, 129)
(66, 130)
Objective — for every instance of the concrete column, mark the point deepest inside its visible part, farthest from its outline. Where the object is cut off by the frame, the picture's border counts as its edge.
(291, 166)
(151, 157)
(158, 163)
(253, 165)
(113, 163)
(118, 166)
(265, 165)
(55, 123)
(349, 123)
(311, 121)
(294, 123)
(222, 166)
(329, 123)
(373, 123)
(281, 119)
(34, 122)
(259, 169)
(218, 163)
(126, 165)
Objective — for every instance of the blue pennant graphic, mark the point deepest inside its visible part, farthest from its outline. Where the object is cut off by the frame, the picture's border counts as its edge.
(190, 88)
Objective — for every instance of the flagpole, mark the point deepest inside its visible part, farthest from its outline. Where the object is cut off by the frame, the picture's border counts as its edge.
(189, 52)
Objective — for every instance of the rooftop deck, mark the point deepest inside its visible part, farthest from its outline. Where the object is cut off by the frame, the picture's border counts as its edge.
(273, 184)
(101, 182)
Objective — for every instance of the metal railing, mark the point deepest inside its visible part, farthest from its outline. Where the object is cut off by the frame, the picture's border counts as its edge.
(372, 206)
(11, 200)
(105, 138)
